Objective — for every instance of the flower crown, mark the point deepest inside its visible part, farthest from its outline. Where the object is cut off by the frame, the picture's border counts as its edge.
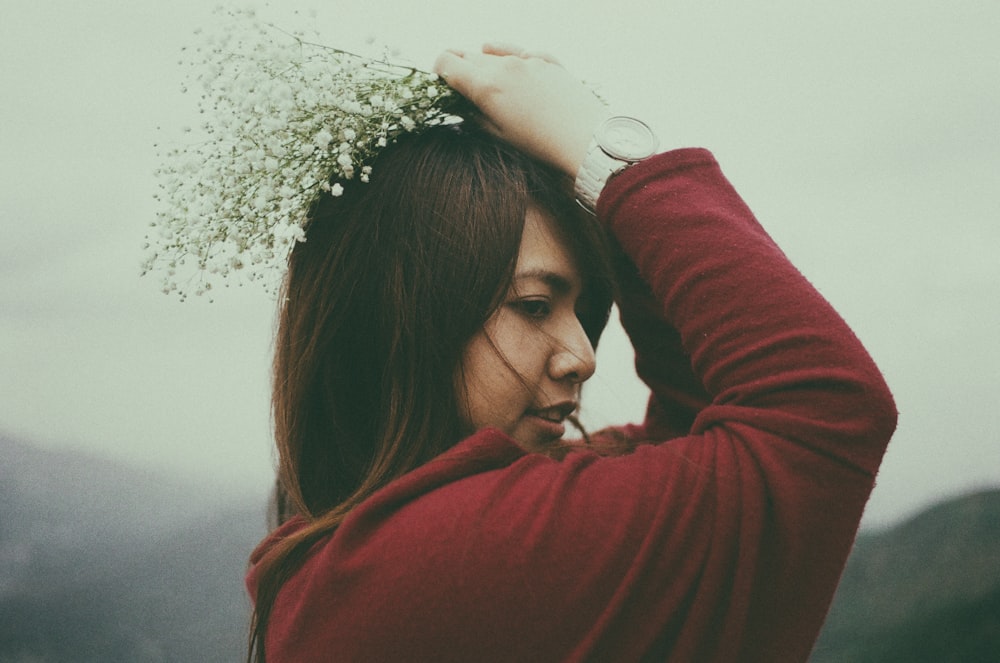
(287, 119)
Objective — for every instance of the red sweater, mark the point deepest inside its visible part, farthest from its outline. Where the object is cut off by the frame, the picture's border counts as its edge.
(721, 540)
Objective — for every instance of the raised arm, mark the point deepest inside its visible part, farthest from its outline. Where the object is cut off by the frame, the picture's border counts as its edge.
(729, 529)
(765, 348)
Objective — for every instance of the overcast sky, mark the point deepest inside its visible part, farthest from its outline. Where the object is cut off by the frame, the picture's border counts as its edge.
(865, 135)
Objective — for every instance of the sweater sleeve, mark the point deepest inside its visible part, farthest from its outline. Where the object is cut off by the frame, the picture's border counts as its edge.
(725, 329)
(783, 415)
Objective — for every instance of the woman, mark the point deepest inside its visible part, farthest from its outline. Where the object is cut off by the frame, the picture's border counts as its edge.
(436, 332)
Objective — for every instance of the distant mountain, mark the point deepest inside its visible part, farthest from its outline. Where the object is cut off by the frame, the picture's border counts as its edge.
(927, 590)
(104, 562)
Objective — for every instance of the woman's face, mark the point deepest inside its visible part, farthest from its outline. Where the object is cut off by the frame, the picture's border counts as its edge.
(522, 372)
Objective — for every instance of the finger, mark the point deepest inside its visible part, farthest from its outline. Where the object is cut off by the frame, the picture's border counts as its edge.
(541, 55)
(462, 73)
(451, 66)
(502, 48)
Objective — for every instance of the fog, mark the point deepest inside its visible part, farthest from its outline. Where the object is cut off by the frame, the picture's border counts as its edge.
(863, 135)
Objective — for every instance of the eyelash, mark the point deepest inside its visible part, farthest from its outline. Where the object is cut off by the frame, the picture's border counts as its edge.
(535, 309)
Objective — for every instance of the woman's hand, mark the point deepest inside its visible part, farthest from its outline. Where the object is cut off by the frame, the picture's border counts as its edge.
(528, 100)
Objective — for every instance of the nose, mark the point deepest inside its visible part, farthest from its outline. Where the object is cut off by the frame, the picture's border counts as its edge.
(573, 356)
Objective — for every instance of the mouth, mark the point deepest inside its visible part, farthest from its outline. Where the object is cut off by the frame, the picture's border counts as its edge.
(556, 413)
(550, 419)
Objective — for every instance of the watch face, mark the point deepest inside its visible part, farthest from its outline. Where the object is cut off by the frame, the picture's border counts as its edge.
(627, 138)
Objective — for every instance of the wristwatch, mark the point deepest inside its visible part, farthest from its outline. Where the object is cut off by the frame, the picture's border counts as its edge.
(618, 143)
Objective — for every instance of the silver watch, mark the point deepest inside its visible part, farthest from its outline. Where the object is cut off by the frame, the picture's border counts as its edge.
(618, 143)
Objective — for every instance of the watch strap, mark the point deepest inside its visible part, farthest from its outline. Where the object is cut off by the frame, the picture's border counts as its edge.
(595, 171)
(606, 159)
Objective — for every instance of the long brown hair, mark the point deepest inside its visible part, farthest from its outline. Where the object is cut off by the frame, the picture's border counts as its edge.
(393, 280)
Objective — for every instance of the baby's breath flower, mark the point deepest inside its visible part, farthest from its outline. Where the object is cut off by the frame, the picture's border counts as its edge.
(287, 119)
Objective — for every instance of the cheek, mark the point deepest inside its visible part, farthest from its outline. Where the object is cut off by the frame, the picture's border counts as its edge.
(495, 381)
(479, 382)
(526, 349)
(495, 378)
(520, 344)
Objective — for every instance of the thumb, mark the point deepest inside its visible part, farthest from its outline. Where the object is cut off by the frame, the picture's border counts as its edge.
(452, 67)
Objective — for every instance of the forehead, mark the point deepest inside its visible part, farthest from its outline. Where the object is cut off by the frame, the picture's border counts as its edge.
(543, 251)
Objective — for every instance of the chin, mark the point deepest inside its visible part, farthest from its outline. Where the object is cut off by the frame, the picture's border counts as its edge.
(553, 447)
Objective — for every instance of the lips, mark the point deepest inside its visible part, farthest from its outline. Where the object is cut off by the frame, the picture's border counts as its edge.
(554, 413)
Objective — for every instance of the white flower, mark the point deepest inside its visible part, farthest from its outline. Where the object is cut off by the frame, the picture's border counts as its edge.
(323, 139)
(272, 106)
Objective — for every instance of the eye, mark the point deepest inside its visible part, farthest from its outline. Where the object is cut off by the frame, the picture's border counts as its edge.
(536, 309)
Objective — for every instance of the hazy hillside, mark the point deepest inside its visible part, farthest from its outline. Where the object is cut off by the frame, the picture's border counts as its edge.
(101, 562)
(927, 590)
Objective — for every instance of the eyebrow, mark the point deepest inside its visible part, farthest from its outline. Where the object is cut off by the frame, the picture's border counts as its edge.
(557, 282)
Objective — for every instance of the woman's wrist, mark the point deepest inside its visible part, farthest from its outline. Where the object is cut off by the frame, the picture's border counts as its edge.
(617, 143)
